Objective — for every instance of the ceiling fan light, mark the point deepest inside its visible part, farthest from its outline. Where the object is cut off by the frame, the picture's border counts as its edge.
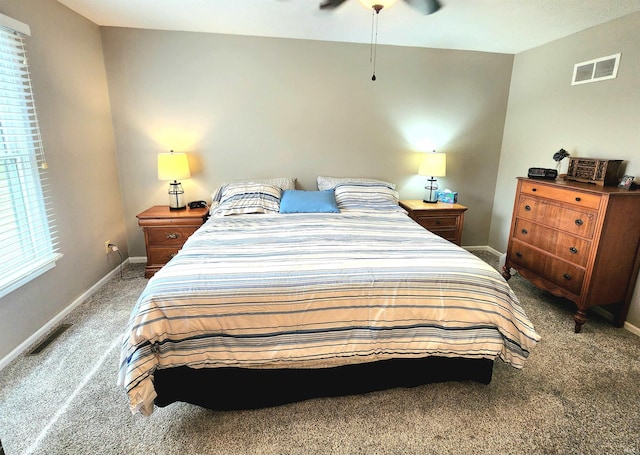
(369, 4)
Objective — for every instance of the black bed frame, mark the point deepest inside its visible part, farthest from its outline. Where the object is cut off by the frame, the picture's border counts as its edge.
(238, 388)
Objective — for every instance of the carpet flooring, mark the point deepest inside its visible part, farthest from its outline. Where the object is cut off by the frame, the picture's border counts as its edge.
(578, 394)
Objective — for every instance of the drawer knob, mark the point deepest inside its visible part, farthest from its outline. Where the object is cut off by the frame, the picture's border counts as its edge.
(534, 189)
(438, 222)
(566, 276)
(524, 231)
(518, 254)
(173, 235)
(579, 222)
(527, 208)
(578, 199)
(573, 250)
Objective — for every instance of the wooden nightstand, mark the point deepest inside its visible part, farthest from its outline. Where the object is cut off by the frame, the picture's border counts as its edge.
(165, 231)
(443, 219)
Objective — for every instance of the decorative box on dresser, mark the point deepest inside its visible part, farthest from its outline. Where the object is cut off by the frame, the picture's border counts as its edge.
(579, 241)
(165, 231)
(441, 218)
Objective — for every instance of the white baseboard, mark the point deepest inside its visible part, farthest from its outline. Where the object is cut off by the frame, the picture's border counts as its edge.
(22, 347)
(486, 248)
(138, 260)
(632, 328)
(607, 315)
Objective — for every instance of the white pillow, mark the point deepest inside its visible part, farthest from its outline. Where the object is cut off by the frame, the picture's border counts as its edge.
(369, 197)
(329, 183)
(243, 198)
(284, 183)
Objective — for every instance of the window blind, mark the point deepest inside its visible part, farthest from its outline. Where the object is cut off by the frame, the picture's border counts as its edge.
(28, 244)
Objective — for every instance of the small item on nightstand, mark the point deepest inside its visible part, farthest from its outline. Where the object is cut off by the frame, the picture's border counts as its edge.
(197, 205)
(448, 196)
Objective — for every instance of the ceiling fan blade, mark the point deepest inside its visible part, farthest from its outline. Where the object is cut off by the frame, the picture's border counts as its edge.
(425, 6)
(330, 4)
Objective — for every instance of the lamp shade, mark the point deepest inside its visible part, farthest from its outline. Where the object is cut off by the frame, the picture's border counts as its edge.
(173, 166)
(433, 164)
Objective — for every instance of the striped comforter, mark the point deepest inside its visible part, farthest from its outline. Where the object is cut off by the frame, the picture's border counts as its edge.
(317, 290)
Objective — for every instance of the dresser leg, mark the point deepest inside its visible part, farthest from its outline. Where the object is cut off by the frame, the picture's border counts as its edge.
(581, 318)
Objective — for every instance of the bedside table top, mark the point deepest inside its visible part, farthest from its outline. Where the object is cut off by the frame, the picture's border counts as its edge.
(163, 211)
(417, 204)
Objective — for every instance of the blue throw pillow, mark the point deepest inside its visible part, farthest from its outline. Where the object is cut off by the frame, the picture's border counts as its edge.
(299, 201)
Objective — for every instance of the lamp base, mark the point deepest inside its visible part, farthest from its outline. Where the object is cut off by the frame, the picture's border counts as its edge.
(176, 196)
(430, 196)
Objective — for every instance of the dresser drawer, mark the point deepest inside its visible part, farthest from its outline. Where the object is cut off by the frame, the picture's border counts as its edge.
(579, 198)
(169, 235)
(569, 247)
(574, 221)
(563, 274)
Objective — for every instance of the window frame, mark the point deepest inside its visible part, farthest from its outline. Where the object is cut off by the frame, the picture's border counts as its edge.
(28, 240)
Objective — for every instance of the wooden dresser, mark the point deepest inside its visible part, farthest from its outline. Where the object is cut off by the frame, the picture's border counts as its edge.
(445, 220)
(165, 231)
(579, 241)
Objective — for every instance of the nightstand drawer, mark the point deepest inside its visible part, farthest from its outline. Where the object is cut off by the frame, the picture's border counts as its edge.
(169, 235)
(449, 234)
(437, 222)
(160, 256)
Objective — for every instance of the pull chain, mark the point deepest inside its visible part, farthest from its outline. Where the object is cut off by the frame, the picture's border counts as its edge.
(373, 13)
(374, 43)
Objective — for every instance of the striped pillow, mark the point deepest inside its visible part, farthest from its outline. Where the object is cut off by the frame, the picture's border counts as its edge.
(242, 198)
(329, 183)
(285, 183)
(368, 197)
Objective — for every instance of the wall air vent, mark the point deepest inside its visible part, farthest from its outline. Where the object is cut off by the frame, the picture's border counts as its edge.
(595, 70)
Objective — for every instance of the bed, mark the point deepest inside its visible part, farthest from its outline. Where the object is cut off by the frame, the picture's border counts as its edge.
(346, 296)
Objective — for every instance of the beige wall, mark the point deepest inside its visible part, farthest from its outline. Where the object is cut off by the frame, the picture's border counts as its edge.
(246, 107)
(546, 113)
(69, 84)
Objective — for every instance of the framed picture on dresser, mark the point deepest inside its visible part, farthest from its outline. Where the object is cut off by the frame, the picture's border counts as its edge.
(626, 182)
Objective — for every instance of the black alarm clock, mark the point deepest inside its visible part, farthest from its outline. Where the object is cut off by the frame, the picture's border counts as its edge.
(542, 173)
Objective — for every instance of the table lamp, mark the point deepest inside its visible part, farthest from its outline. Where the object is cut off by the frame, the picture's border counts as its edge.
(434, 165)
(174, 166)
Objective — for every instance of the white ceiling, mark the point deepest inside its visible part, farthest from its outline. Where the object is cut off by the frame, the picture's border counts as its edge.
(503, 26)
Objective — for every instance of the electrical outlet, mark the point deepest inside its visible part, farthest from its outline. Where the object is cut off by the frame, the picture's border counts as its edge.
(106, 246)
